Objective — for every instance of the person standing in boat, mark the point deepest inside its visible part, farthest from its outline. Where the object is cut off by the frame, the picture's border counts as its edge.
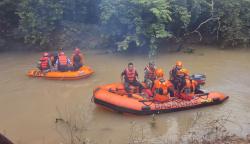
(63, 62)
(44, 63)
(149, 72)
(77, 59)
(130, 78)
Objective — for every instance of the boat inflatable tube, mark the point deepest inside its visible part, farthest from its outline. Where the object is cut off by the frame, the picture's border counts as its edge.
(114, 97)
(83, 72)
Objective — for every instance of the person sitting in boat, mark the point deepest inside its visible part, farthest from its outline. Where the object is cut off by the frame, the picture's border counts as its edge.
(186, 87)
(45, 63)
(173, 74)
(182, 75)
(63, 62)
(149, 72)
(162, 88)
(130, 78)
(77, 59)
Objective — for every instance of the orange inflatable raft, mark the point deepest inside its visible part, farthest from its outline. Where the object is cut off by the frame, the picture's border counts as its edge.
(114, 97)
(83, 72)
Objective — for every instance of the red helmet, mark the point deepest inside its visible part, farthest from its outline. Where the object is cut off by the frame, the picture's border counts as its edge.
(45, 54)
(77, 50)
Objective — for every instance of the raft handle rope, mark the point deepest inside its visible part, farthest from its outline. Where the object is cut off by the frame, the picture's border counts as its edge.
(115, 91)
(144, 102)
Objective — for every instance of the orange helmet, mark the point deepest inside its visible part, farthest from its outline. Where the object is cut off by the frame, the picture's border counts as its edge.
(159, 72)
(45, 54)
(179, 64)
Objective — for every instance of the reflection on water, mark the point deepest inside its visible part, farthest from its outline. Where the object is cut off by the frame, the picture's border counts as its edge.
(28, 107)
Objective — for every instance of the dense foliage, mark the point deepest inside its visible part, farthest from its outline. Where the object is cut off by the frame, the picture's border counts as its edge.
(140, 21)
(131, 23)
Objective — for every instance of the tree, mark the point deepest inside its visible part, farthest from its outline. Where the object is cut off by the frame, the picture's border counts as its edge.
(38, 20)
(41, 19)
(8, 18)
(129, 24)
(141, 22)
(235, 24)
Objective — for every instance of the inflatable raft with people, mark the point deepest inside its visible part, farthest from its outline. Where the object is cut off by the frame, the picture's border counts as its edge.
(58, 66)
(156, 94)
(114, 97)
(83, 72)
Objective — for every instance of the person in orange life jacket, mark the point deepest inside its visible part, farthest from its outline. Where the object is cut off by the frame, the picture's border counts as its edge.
(182, 75)
(77, 59)
(149, 72)
(162, 88)
(63, 62)
(130, 77)
(173, 74)
(186, 89)
(45, 63)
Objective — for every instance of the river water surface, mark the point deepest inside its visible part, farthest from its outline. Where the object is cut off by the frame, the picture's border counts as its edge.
(29, 107)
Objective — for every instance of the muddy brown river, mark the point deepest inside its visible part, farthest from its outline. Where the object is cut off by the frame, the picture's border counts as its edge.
(37, 111)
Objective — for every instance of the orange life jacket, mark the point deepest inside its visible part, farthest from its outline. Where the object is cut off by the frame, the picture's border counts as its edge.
(164, 86)
(44, 63)
(188, 90)
(62, 60)
(130, 75)
(150, 73)
(161, 83)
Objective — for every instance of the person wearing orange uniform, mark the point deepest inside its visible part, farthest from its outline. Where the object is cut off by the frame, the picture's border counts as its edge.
(149, 72)
(173, 74)
(77, 59)
(162, 88)
(176, 77)
(186, 89)
(130, 77)
(63, 62)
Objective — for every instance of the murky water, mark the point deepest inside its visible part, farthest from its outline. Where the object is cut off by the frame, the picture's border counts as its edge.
(30, 107)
